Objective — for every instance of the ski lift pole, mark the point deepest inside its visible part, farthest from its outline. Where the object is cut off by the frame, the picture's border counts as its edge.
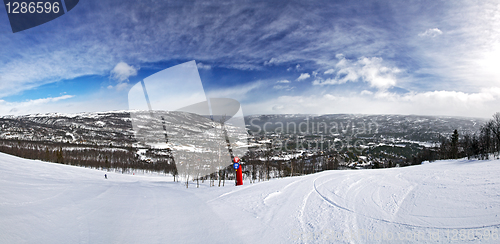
(236, 160)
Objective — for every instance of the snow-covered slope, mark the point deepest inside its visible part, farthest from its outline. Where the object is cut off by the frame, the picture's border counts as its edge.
(443, 201)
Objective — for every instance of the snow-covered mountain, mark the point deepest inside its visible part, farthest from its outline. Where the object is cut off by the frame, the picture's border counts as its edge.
(395, 128)
(396, 138)
(84, 128)
(116, 127)
(454, 201)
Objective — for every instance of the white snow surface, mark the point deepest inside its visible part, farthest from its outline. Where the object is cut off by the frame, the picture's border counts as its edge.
(456, 201)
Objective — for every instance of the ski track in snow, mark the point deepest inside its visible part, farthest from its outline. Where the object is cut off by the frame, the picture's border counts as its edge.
(50, 203)
(398, 203)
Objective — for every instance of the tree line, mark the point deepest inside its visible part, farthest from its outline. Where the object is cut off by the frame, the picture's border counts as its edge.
(122, 159)
(481, 144)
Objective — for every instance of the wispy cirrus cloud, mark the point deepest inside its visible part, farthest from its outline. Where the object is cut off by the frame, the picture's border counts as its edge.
(237, 92)
(239, 36)
(283, 81)
(461, 58)
(25, 107)
(283, 87)
(431, 32)
(203, 66)
(380, 42)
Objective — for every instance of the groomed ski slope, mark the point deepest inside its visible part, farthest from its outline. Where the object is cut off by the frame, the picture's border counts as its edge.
(454, 201)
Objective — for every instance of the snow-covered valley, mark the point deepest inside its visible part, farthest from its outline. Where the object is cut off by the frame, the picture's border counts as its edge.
(451, 201)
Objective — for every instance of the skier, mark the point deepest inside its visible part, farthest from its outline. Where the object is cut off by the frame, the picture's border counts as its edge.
(105, 176)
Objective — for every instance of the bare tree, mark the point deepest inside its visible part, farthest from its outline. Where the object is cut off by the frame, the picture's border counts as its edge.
(495, 128)
(268, 154)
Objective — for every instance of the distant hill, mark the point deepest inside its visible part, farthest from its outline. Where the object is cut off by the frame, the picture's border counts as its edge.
(107, 139)
(115, 127)
(409, 127)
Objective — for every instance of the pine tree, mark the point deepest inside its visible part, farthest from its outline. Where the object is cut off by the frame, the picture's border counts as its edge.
(175, 173)
(495, 128)
(336, 164)
(454, 145)
(106, 163)
(47, 154)
(59, 156)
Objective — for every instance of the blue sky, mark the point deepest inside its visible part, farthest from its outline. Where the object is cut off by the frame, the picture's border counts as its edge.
(319, 57)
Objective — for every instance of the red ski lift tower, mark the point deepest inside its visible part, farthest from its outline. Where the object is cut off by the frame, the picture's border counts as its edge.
(239, 173)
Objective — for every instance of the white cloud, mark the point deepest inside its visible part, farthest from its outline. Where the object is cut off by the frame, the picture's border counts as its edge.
(448, 103)
(371, 70)
(203, 66)
(273, 61)
(378, 75)
(366, 92)
(283, 81)
(278, 107)
(236, 92)
(303, 76)
(122, 71)
(120, 86)
(452, 98)
(241, 66)
(431, 32)
(53, 99)
(26, 107)
(330, 71)
(283, 87)
(329, 97)
(329, 81)
(31, 70)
